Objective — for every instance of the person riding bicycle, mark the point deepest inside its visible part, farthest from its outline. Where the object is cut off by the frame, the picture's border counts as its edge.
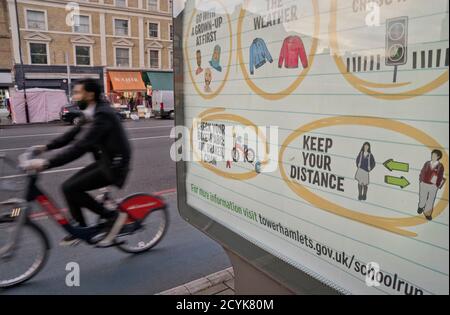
(101, 133)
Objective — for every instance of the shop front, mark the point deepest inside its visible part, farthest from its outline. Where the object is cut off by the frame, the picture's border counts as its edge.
(126, 89)
(157, 81)
(6, 83)
(54, 76)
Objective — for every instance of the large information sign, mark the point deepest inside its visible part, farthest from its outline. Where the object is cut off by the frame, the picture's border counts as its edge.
(319, 133)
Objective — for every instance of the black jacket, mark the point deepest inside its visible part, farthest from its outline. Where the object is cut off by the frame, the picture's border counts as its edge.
(105, 138)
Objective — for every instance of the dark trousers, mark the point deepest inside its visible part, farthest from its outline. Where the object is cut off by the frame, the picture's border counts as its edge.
(75, 190)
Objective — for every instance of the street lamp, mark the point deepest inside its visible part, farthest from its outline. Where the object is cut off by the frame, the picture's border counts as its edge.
(27, 112)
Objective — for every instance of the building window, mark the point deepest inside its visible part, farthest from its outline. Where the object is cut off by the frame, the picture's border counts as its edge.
(83, 55)
(153, 30)
(170, 5)
(38, 54)
(121, 3)
(153, 5)
(170, 59)
(82, 24)
(154, 59)
(171, 32)
(121, 27)
(123, 57)
(36, 20)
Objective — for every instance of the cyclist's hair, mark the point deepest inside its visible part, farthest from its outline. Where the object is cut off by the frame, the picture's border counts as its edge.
(93, 86)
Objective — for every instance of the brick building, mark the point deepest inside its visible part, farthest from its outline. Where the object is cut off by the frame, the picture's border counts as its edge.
(112, 40)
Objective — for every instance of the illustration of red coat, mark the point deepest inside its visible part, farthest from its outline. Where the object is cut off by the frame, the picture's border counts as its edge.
(432, 175)
(292, 50)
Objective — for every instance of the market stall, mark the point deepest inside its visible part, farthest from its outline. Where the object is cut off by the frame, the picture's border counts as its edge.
(44, 105)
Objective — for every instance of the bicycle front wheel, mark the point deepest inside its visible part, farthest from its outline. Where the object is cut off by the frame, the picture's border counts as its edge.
(27, 257)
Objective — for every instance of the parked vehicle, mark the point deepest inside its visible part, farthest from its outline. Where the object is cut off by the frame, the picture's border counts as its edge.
(163, 104)
(72, 114)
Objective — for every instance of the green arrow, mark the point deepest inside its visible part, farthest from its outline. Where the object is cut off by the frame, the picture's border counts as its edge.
(397, 181)
(396, 166)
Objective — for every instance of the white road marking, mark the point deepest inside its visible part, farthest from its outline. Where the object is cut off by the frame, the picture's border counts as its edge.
(56, 134)
(156, 127)
(132, 139)
(13, 149)
(75, 168)
(148, 138)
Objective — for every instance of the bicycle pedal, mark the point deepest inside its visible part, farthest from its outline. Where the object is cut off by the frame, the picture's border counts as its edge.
(97, 238)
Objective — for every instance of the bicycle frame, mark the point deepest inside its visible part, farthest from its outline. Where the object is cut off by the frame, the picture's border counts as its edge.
(34, 193)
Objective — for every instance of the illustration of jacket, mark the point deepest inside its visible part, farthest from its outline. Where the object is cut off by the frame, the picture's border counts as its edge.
(292, 50)
(428, 172)
(259, 55)
(366, 163)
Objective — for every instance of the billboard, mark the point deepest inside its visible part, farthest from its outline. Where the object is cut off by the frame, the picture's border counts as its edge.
(303, 144)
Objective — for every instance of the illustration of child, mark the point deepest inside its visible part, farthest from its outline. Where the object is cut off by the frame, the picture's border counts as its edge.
(199, 63)
(431, 180)
(208, 79)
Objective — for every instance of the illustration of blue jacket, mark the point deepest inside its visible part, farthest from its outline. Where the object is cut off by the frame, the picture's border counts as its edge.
(259, 55)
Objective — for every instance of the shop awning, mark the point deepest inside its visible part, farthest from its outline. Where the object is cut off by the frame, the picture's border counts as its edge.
(161, 81)
(126, 81)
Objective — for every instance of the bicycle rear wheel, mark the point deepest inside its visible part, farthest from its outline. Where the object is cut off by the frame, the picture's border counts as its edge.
(148, 223)
(28, 256)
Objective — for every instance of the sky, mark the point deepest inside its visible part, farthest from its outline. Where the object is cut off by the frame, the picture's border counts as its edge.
(178, 5)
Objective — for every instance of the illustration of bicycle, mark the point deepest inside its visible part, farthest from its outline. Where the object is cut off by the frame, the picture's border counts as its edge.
(249, 154)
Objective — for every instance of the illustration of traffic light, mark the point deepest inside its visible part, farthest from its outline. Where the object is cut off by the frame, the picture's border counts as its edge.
(396, 43)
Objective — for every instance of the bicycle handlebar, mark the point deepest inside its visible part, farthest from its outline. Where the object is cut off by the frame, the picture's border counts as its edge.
(26, 157)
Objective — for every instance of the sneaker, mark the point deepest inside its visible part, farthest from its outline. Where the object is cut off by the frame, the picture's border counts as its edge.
(117, 223)
(420, 210)
(69, 240)
(429, 217)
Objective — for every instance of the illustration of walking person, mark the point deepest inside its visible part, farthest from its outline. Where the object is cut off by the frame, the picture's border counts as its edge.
(431, 180)
(199, 63)
(215, 61)
(365, 163)
(208, 79)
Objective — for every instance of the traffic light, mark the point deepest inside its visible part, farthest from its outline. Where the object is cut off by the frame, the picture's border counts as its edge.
(397, 41)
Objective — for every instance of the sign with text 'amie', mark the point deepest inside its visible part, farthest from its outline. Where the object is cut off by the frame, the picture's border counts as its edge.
(347, 181)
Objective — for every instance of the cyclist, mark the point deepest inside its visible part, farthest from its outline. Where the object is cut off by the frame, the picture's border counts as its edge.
(101, 133)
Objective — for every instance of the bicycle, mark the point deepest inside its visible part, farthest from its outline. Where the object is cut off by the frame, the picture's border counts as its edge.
(142, 223)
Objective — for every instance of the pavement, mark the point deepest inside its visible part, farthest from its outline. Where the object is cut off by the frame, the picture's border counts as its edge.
(4, 120)
(183, 256)
(219, 283)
